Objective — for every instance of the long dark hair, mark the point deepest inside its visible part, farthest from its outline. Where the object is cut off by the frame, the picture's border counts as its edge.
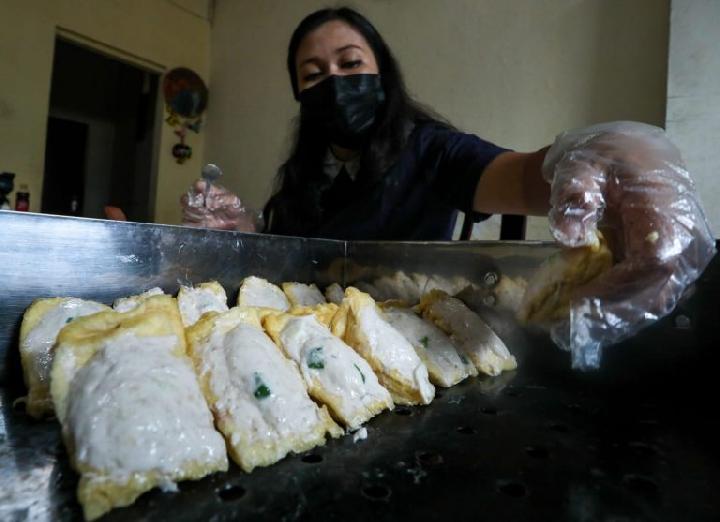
(300, 182)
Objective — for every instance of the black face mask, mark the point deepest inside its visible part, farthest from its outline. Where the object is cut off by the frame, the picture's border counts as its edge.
(344, 106)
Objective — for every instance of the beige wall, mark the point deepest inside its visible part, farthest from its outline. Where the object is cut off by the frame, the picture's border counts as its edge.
(158, 34)
(513, 71)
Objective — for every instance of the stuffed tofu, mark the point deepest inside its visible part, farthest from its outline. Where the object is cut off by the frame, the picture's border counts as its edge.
(445, 366)
(468, 331)
(334, 293)
(194, 301)
(126, 304)
(551, 288)
(132, 414)
(361, 324)
(257, 395)
(399, 286)
(259, 293)
(334, 373)
(300, 294)
(41, 324)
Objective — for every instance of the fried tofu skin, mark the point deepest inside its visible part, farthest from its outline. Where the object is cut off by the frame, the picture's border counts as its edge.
(257, 395)
(132, 414)
(334, 373)
(551, 288)
(468, 331)
(445, 366)
(40, 327)
(361, 325)
(194, 301)
(300, 294)
(259, 293)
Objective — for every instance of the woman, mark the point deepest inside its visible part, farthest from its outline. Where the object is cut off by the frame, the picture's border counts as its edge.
(370, 163)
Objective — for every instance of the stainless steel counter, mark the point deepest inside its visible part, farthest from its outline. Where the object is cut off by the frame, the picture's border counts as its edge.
(636, 440)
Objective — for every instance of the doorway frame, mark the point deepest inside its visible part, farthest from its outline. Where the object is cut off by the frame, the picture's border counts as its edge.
(144, 64)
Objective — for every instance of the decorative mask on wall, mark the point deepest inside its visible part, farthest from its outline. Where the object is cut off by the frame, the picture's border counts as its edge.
(186, 97)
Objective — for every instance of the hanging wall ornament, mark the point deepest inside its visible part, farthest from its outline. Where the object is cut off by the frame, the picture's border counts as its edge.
(181, 151)
(186, 98)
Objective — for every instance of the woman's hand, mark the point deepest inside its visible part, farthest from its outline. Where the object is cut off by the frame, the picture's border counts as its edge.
(219, 209)
(628, 180)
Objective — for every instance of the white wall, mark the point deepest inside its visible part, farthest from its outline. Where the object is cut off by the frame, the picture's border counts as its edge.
(693, 95)
(516, 72)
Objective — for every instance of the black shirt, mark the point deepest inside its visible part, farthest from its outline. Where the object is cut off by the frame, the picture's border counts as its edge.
(417, 198)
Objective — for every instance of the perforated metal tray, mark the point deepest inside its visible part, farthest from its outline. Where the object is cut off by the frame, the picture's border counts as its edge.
(636, 440)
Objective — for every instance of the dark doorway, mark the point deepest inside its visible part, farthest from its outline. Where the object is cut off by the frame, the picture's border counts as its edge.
(101, 127)
(65, 152)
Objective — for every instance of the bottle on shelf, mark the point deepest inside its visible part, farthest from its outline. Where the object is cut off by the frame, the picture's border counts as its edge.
(22, 199)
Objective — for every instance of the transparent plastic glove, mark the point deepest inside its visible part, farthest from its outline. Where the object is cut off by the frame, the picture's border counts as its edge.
(221, 209)
(629, 180)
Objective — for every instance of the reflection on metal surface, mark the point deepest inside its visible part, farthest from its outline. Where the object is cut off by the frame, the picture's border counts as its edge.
(31, 460)
(495, 385)
(405, 271)
(542, 442)
(490, 279)
(48, 256)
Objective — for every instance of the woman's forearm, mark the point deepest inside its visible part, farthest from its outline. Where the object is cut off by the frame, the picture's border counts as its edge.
(513, 184)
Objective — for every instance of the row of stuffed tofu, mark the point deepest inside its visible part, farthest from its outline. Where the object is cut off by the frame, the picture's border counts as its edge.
(141, 390)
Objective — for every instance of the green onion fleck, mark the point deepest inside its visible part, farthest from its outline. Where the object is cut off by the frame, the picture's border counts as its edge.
(261, 389)
(69, 319)
(424, 341)
(315, 359)
(362, 375)
(463, 359)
